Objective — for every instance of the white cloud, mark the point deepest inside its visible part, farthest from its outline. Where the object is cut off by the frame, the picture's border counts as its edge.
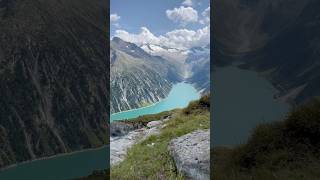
(179, 38)
(205, 16)
(145, 36)
(187, 3)
(114, 18)
(182, 15)
(184, 38)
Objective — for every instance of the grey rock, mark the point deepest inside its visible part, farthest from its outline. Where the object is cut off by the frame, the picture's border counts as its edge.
(120, 145)
(121, 128)
(191, 154)
(126, 135)
(154, 124)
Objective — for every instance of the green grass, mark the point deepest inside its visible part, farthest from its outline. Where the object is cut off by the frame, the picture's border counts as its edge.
(147, 161)
(286, 150)
(150, 117)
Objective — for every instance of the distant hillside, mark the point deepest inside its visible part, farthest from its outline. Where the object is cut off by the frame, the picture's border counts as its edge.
(53, 78)
(138, 78)
(283, 150)
(198, 62)
(278, 38)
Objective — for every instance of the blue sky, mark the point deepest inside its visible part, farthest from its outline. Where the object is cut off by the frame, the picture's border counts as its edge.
(158, 17)
(151, 14)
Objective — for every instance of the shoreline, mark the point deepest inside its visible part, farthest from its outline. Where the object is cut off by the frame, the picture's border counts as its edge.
(145, 106)
(278, 95)
(161, 100)
(49, 157)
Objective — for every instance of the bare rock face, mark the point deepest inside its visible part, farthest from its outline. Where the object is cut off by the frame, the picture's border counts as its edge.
(191, 154)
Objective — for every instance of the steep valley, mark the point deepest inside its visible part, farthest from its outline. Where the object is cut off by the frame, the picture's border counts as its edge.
(193, 62)
(138, 78)
(142, 75)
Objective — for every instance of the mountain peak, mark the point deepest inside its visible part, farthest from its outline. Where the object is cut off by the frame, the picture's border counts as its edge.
(120, 43)
(129, 48)
(117, 40)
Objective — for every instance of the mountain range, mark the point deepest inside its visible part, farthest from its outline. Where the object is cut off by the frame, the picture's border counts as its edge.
(193, 62)
(142, 75)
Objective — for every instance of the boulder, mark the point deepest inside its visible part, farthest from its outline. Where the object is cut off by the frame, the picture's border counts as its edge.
(154, 124)
(191, 154)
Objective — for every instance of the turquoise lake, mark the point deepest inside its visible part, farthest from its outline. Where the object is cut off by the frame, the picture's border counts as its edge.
(243, 99)
(68, 166)
(180, 96)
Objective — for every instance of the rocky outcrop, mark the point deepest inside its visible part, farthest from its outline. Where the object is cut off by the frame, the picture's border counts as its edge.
(126, 134)
(53, 78)
(191, 154)
(120, 145)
